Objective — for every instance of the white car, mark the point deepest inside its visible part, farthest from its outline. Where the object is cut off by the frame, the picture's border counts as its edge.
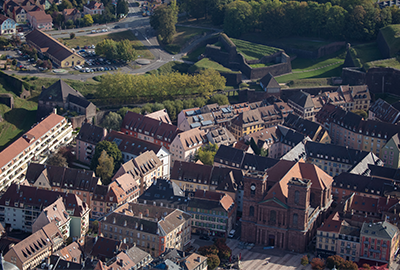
(231, 233)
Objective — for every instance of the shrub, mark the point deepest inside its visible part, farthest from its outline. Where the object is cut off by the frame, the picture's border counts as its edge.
(317, 264)
(207, 250)
(304, 260)
(366, 266)
(335, 260)
(213, 261)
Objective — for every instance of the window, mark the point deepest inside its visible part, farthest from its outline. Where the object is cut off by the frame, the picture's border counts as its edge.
(295, 219)
(251, 211)
(296, 197)
(272, 217)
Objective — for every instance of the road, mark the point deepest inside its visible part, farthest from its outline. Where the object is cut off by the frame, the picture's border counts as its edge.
(140, 26)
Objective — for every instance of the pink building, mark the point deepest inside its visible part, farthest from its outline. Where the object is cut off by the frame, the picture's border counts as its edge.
(86, 141)
(40, 20)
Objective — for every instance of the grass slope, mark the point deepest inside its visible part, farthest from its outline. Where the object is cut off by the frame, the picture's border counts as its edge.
(94, 39)
(391, 62)
(181, 37)
(324, 67)
(391, 33)
(206, 63)
(253, 51)
(17, 121)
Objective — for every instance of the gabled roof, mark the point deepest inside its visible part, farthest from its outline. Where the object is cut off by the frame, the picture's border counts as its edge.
(94, 5)
(58, 92)
(379, 230)
(189, 171)
(385, 112)
(230, 154)
(4, 18)
(160, 115)
(29, 138)
(301, 125)
(41, 16)
(332, 224)
(91, 134)
(192, 138)
(164, 191)
(303, 99)
(269, 81)
(80, 101)
(50, 45)
(154, 128)
(257, 163)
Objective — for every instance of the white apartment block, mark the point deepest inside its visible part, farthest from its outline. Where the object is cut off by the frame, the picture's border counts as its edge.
(34, 145)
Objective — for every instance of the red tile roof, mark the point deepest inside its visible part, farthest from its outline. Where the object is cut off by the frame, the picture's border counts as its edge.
(29, 138)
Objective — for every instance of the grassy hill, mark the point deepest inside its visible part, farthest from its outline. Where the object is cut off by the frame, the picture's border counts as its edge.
(391, 34)
(206, 63)
(253, 51)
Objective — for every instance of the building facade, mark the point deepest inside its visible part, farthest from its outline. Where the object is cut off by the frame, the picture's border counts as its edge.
(46, 136)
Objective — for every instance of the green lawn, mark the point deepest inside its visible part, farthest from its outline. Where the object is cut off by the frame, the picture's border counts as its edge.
(367, 52)
(17, 121)
(391, 33)
(173, 66)
(261, 65)
(182, 36)
(194, 55)
(309, 44)
(314, 82)
(324, 67)
(90, 39)
(253, 51)
(206, 63)
(391, 62)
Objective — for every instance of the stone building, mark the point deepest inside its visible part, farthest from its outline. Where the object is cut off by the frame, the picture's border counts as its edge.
(284, 206)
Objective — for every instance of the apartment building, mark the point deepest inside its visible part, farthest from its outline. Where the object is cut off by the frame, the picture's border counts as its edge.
(335, 159)
(347, 97)
(132, 147)
(338, 237)
(186, 143)
(149, 129)
(349, 129)
(308, 128)
(191, 176)
(380, 110)
(213, 213)
(57, 213)
(76, 181)
(153, 229)
(390, 153)
(220, 136)
(86, 140)
(132, 258)
(164, 193)
(35, 145)
(379, 242)
(21, 206)
(31, 251)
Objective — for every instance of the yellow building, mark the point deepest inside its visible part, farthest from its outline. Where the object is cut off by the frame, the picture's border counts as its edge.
(60, 54)
(247, 122)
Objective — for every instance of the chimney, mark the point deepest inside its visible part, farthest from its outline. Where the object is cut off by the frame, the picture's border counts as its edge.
(55, 110)
(147, 212)
(140, 215)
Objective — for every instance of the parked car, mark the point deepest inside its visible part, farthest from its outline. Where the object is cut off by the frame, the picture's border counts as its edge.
(231, 234)
(205, 237)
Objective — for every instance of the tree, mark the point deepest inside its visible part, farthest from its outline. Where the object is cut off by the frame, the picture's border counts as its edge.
(87, 19)
(112, 150)
(71, 35)
(334, 261)
(65, 4)
(361, 113)
(105, 168)
(206, 154)
(221, 99)
(95, 226)
(206, 250)
(57, 160)
(112, 121)
(108, 48)
(122, 7)
(348, 265)
(237, 18)
(213, 261)
(164, 19)
(3, 42)
(124, 110)
(304, 260)
(125, 50)
(366, 266)
(317, 264)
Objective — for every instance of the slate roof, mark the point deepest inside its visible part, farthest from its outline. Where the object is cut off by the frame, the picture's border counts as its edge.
(58, 92)
(383, 229)
(230, 154)
(91, 134)
(164, 191)
(362, 184)
(384, 172)
(385, 112)
(269, 81)
(155, 128)
(187, 171)
(258, 163)
(302, 99)
(303, 126)
(131, 145)
(227, 179)
(80, 101)
(50, 45)
(332, 224)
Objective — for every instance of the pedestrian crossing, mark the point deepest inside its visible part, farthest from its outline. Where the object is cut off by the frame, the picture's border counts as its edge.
(258, 261)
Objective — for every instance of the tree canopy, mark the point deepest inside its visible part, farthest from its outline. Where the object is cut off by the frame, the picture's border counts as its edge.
(111, 149)
(206, 154)
(121, 50)
(112, 121)
(122, 7)
(164, 19)
(158, 87)
(105, 168)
